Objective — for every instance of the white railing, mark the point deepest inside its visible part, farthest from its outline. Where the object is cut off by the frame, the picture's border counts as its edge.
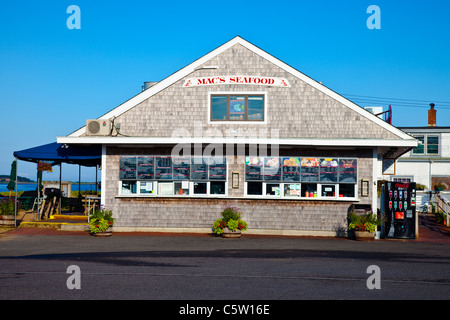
(442, 203)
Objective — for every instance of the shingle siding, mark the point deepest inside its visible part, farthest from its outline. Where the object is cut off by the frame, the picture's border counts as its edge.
(300, 111)
(276, 214)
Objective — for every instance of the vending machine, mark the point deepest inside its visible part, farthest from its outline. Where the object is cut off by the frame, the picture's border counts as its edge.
(399, 210)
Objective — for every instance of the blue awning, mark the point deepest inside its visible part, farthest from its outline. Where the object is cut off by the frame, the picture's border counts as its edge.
(85, 155)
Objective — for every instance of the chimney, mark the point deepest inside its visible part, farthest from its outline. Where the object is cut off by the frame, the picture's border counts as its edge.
(432, 116)
(148, 84)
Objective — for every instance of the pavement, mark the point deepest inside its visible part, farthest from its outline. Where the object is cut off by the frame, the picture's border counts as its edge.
(429, 230)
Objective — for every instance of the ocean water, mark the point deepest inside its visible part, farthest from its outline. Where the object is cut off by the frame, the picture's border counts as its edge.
(33, 186)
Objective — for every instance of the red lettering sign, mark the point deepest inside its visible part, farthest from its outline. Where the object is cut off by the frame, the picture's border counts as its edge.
(402, 185)
(251, 80)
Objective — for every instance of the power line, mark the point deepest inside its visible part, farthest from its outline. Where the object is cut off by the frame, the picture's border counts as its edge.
(398, 102)
(414, 100)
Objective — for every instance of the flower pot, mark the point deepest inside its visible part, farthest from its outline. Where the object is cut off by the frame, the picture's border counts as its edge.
(227, 233)
(7, 220)
(364, 235)
(106, 233)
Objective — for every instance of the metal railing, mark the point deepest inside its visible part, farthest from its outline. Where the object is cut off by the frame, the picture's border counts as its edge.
(442, 203)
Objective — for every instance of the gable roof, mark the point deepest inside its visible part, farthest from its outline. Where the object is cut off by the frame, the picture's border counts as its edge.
(238, 40)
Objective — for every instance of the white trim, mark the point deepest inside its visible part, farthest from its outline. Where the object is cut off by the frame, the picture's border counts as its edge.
(103, 182)
(238, 40)
(238, 140)
(375, 180)
(301, 197)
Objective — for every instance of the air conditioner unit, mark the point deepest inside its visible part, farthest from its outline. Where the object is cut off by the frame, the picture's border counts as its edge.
(98, 127)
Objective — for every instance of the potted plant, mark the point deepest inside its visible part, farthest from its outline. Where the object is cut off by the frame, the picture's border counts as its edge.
(231, 224)
(101, 222)
(7, 217)
(362, 226)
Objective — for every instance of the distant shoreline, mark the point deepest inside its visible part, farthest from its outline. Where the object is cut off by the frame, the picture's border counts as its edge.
(35, 182)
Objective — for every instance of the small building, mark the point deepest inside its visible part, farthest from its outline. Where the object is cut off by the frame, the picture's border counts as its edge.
(239, 127)
(429, 163)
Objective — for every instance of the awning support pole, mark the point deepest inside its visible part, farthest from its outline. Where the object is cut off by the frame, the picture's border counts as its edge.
(60, 187)
(15, 200)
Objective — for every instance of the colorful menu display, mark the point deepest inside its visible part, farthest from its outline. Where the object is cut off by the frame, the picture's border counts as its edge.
(272, 169)
(291, 169)
(328, 170)
(253, 169)
(310, 169)
(347, 170)
(296, 169)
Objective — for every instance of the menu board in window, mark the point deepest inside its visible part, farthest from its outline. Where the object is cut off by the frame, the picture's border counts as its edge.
(291, 169)
(145, 168)
(127, 168)
(199, 168)
(217, 168)
(328, 170)
(310, 169)
(253, 169)
(272, 169)
(163, 168)
(348, 170)
(181, 168)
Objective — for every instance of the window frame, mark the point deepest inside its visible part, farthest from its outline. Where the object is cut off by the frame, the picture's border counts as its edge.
(317, 195)
(157, 192)
(425, 144)
(237, 93)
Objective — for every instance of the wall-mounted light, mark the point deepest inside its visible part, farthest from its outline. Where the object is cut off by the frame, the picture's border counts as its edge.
(235, 179)
(365, 187)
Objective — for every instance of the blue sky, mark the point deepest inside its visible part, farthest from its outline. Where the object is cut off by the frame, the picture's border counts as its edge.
(52, 78)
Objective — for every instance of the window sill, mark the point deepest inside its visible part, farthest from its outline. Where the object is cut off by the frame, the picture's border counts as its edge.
(248, 197)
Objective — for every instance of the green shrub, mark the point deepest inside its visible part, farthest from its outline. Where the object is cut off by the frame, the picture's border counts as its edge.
(231, 219)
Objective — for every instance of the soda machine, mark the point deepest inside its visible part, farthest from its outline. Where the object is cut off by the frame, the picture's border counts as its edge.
(399, 210)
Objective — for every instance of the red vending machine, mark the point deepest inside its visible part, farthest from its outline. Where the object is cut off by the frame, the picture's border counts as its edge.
(399, 210)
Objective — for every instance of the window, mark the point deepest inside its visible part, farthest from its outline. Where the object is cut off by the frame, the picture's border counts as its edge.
(172, 176)
(128, 187)
(273, 189)
(181, 188)
(217, 187)
(291, 190)
(428, 145)
(309, 190)
(328, 190)
(347, 190)
(200, 188)
(237, 107)
(146, 187)
(432, 144)
(298, 177)
(254, 188)
(420, 147)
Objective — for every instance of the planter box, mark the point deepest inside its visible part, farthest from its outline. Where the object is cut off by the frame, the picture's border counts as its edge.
(364, 235)
(106, 233)
(227, 233)
(7, 220)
